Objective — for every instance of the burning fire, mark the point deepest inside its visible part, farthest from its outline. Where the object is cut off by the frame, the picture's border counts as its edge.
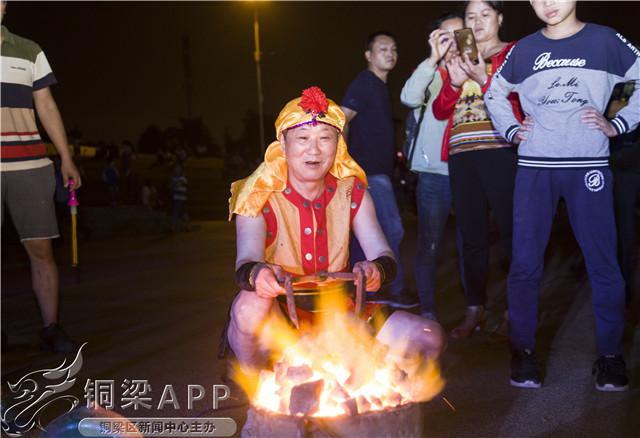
(338, 367)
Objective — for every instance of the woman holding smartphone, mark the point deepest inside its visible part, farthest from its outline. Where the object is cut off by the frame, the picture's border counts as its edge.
(482, 164)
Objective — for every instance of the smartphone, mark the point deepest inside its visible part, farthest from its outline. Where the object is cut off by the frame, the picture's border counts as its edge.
(467, 44)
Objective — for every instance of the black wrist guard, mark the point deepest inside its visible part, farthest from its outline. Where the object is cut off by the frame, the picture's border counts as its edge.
(246, 275)
(243, 276)
(387, 267)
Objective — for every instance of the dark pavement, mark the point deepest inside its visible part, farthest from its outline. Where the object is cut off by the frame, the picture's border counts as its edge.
(152, 308)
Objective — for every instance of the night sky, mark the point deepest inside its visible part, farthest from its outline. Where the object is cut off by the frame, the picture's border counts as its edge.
(120, 64)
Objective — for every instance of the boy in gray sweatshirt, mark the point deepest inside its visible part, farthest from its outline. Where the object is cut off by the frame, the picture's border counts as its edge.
(564, 75)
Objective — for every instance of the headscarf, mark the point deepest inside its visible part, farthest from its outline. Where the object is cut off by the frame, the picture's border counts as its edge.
(249, 195)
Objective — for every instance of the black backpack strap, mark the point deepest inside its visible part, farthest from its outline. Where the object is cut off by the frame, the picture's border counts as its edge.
(423, 109)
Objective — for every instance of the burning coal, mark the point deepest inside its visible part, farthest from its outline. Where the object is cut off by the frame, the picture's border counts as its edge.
(338, 367)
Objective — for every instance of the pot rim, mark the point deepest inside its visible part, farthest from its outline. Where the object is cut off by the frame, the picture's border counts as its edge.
(386, 410)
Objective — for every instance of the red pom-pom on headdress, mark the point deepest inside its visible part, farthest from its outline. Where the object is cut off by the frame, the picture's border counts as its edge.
(314, 101)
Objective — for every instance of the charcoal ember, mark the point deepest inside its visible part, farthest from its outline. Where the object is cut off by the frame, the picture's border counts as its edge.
(280, 369)
(380, 350)
(339, 393)
(358, 377)
(398, 375)
(395, 399)
(332, 404)
(405, 387)
(376, 401)
(350, 406)
(299, 374)
(282, 406)
(305, 398)
(363, 404)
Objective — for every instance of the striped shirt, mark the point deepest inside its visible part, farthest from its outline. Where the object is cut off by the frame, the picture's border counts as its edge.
(25, 69)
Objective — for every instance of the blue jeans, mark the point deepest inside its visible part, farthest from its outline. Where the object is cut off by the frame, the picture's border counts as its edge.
(384, 200)
(433, 197)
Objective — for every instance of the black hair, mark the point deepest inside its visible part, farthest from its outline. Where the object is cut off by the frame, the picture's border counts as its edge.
(435, 24)
(372, 38)
(497, 6)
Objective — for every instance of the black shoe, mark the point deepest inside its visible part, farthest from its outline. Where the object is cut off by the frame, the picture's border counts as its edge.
(524, 369)
(611, 373)
(55, 340)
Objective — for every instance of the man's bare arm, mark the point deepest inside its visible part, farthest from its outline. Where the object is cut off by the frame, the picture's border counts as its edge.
(52, 122)
(369, 232)
(251, 234)
(372, 240)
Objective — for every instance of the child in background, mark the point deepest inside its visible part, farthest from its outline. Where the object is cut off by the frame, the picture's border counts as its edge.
(111, 176)
(564, 75)
(179, 193)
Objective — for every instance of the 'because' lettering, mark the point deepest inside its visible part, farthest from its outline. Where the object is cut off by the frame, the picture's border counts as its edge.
(544, 61)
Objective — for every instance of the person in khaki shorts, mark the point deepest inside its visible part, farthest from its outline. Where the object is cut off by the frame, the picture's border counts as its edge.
(28, 180)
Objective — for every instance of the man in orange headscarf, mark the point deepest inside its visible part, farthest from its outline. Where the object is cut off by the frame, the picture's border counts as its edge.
(295, 213)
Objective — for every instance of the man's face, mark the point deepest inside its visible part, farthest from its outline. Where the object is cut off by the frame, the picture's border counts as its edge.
(310, 151)
(383, 54)
(3, 9)
(449, 26)
(553, 12)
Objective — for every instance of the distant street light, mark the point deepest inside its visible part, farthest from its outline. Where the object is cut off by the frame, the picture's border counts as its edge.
(256, 55)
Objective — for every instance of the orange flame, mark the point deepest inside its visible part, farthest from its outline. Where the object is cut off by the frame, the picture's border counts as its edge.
(358, 372)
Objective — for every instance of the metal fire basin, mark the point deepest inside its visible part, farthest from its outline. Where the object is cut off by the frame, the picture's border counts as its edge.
(404, 421)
